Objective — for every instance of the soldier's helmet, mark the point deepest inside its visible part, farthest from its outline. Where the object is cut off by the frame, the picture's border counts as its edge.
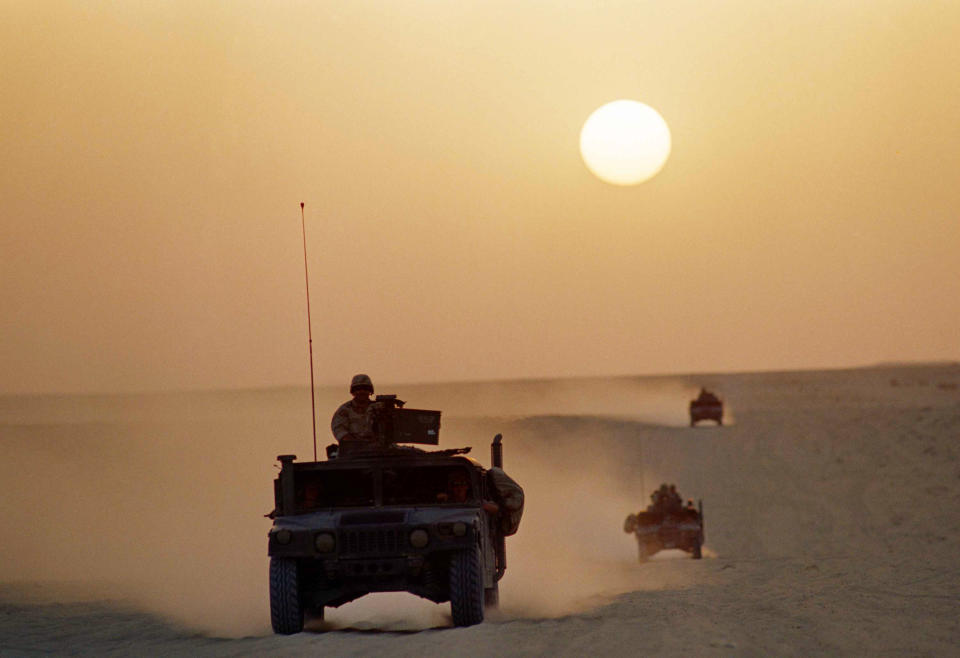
(361, 382)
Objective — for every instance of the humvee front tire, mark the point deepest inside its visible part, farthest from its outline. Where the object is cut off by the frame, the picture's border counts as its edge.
(697, 551)
(286, 613)
(466, 588)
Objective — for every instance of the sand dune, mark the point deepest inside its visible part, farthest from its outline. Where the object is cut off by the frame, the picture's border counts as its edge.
(133, 524)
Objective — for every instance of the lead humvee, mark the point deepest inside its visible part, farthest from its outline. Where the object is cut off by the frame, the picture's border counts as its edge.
(383, 520)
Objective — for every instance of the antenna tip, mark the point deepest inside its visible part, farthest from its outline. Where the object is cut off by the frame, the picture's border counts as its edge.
(301, 205)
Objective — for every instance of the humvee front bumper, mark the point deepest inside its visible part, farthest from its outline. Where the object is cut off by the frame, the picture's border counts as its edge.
(297, 538)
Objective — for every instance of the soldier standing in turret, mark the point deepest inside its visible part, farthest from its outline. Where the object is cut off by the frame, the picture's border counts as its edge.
(353, 421)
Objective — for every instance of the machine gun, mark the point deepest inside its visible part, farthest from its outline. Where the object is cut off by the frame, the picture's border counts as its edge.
(394, 424)
(389, 401)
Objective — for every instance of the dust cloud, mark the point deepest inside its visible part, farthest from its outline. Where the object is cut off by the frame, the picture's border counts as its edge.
(653, 400)
(582, 476)
(158, 501)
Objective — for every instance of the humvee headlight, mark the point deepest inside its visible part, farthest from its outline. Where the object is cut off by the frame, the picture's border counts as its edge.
(325, 542)
(283, 537)
(459, 528)
(419, 538)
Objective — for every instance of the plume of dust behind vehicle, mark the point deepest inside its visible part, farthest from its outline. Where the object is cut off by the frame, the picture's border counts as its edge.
(582, 474)
(158, 500)
(658, 400)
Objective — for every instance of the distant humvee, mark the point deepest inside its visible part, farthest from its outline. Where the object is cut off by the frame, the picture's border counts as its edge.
(667, 524)
(706, 406)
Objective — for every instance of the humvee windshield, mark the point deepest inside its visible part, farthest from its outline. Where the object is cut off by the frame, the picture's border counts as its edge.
(426, 485)
(344, 488)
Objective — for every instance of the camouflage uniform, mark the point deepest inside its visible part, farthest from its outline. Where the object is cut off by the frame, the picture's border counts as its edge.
(353, 423)
(350, 419)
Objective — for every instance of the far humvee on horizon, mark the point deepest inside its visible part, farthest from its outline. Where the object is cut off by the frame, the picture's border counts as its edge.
(706, 406)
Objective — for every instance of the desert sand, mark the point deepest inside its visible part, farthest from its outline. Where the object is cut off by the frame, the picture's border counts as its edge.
(133, 525)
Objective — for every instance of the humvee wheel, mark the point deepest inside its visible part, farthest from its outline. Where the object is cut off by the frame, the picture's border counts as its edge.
(466, 588)
(286, 613)
(697, 552)
(491, 597)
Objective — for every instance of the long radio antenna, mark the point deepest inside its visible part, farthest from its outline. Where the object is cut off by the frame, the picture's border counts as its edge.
(306, 274)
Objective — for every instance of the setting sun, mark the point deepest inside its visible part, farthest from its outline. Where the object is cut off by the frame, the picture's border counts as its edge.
(625, 142)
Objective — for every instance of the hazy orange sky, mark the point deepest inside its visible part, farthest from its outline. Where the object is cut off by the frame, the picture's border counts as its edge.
(155, 155)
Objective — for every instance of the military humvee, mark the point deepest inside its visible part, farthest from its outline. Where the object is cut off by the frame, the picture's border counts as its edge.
(657, 530)
(385, 521)
(706, 406)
